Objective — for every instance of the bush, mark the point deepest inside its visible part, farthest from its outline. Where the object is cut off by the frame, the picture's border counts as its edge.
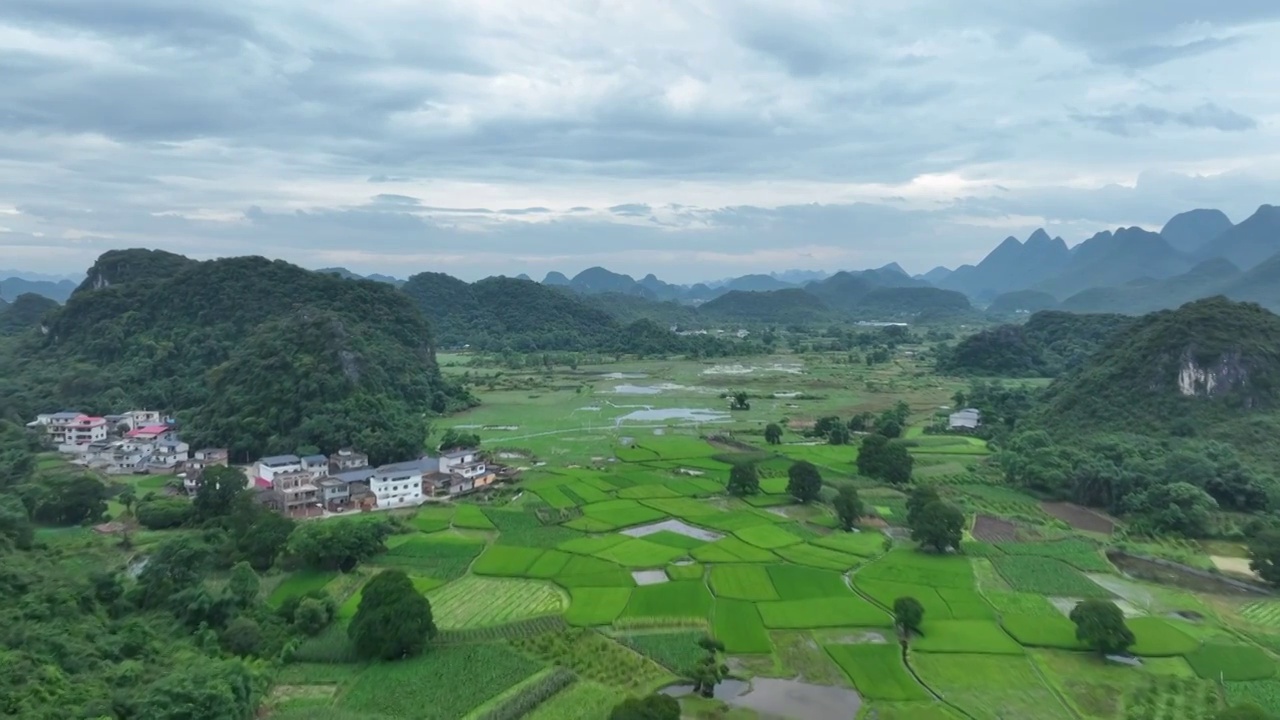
(163, 513)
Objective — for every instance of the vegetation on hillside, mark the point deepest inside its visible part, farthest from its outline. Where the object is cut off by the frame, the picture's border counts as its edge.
(1048, 344)
(254, 355)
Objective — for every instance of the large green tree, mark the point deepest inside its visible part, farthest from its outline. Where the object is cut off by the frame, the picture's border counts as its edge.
(804, 482)
(848, 506)
(939, 526)
(1100, 625)
(920, 496)
(773, 434)
(743, 480)
(908, 613)
(219, 493)
(882, 459)
(338, 544)
(393, 620)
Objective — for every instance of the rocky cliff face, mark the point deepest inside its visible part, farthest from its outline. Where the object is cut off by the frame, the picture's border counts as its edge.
(1225, 375)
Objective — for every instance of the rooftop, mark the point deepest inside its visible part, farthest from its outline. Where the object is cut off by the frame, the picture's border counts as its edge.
(276, 460)
(315, 459)
(352, 476)
(148, 430)
(463, 452)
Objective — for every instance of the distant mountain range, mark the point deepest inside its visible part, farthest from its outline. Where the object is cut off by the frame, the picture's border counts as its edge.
(1130, 270)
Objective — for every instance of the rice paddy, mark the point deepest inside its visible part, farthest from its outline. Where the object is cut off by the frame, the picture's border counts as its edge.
(545, 584)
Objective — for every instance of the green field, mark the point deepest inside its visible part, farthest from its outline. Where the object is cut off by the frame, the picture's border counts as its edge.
(527, 588)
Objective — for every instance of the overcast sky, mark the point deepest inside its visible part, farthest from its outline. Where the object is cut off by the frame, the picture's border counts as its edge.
(695, 139)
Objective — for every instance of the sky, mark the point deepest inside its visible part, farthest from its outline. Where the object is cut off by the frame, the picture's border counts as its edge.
(694, 139)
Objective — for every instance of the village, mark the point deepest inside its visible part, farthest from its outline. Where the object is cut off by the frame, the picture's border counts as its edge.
(145, 442)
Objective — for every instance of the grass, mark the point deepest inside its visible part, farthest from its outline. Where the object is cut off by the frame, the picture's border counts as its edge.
(1265, 693)
(1045, 631)
(444, 557)
(738, 625)
(639, 553)
(794, 582)
(675, 540)
(518, 527)
(877, 672)
(477, 602)
(472, 517)
(1216, 661)
(1262, 612)
(731, 550)
(990, 687)
(592, 544)
(769, 537)
(506, 560)
(1021, 604)
(298, 584)
(677, 599)
(965, 636)
(688, 571)
(683, 508)
(595, 657)
(677, 651)
(445, 683)
(818, 557)
(917, 568)
(1157, 637)
(742, 582)
(1046, 576)
(580, 701)
(862, 544)
(432, 518)
(823, 612)
(590, 606)
(549, 564)
(593, 572)
(1076, 552)
(737, 520)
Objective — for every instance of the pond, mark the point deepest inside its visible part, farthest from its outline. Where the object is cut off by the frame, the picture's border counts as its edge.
(624, 376)
(649, 577)
(675, 526)
(790, 698)
(1173, 574)
(665, 414)
(783, 698)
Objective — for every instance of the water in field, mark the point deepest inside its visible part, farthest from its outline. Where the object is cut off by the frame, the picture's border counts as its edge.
(790, 698)
(624, 376)
(666, 414)
(674, 526)
(646, 389)
(726, 690)
(649, 577)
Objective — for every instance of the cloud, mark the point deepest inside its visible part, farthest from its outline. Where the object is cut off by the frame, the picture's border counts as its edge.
(691, 139)
(1125, 119)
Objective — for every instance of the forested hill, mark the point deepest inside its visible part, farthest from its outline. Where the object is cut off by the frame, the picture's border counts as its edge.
(24, 313)
(499, 313)
(255, 355)
(1049, 343)
(1194, 370)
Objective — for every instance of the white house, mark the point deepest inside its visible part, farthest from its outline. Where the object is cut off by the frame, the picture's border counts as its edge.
(398, 483)
(316, 465)
(465, 463)
(77, 435)
(967, 419)
(170, 453)
(269, 467)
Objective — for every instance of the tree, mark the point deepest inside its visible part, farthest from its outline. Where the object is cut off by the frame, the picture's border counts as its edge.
(176, 565)
(266, 534)
(740, 401)
(884, 460)
(839, 435)
(202, 690)
(127, 498)
(921, 495)
(220, 489)
(908, 613)
(338, 544)
(243, 585)
(393, 620)
(1180, 508)
(743, 480)
(652, 707)
(163, 512)
(773, 434)
(312, 615)
(938, 525)
(889, 428)
(1264, 554)
(709, 671)
(453, 439)
(848, 506)
(242, 637)
(69, 500)
(860, 422)
(804, 482)
(1100, 625)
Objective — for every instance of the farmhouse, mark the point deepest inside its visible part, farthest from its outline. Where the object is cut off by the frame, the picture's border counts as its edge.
(967, 419)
